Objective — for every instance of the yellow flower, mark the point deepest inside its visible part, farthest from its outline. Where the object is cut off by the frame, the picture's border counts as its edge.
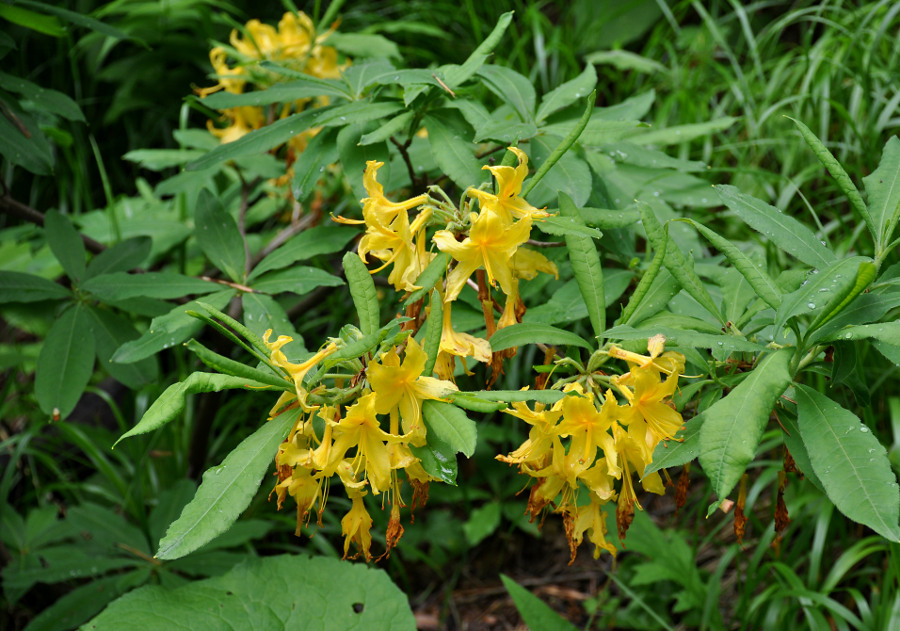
(536, 449)
(296, 371)
(648, 402)
(589, 428)
(402, 388)
(669, 362)
(360, 429)
(491, 244)
(401, 244)
(378, 209)
(462, 344)
(356, 525)
(591, 517)
(507, 203)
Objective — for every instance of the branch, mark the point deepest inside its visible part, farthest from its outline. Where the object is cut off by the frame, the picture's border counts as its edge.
(27, 213)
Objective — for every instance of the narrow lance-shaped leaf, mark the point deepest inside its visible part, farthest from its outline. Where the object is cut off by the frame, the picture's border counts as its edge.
(235, 368)
(429, 277)
(646, 280)
(219, 237)
(675, 262)
(362, 290)
(786, 232)
(226, 490)
(165, 285)
(21, 287)
(568, 93)
(764, 286)
(453, 149)
(65, 363)
(66, 244)
(121, 257)
(586, 267)
(850, 462)
(171, 403)
(533, 333)
(883, 189)
(838, 173)
(865, 274)
(455, 75)
(451, 425)
(433, 330)
(733, 427)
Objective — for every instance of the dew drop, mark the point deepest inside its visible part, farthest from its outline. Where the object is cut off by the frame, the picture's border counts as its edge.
(864, 429)
(811, 305)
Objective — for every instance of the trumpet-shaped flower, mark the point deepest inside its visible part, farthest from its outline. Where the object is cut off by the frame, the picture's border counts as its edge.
(507, 203)
(360, 428)
(535, 451)
(589, 428)
(462, 344)
(491, 244)
(378, 209)
(356, 525)
(297, 372)
(649, 402)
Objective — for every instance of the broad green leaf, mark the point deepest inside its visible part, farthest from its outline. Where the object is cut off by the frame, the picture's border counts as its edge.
(883, 190)
(685, 337)
(80, 19)
(567, 225)
(838, 173)
(304, 246)
(438, 459)
(262, 312)
(733, 427)
(522, 334)
(226, 490)
(219, 237)
(63, 563)
(21, 287)
(433, 331)
(162, 159)
(453, 149)
(234, 368)
(122, 285)
(865, 274)
(636, 155)
(850, 462)
(547, 397)
(504, 131)
(678, 134)
(360, 76)
(821, 288)
(299, 279)
(786, 232)
(46, 24)
(400, 123)
(647, 281)
(363, 45)
(586, 267)
(451, 425)
(259, 140)
(684, 448)
(110, 332)
(85, 601)
(453, 76)
(121, 257)
(357, 113)
(536, 613)
(171, 403)
(362, 290)
(793, 440)
(306, 88)
(354, 157)
(569, 174)
(626, 60)
(482, 522)
(65, 363)
(758, 279)
(676, 263)
(568, 93)
(512, 88)
(43, 99)
(429, 277)
(25, 145)
(168, 330)
(887, 332)
(290, 591)
(659, 293)
(320, 151)
(66, 244)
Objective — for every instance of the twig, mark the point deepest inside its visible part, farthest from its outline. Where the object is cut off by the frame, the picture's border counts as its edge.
(20, 210)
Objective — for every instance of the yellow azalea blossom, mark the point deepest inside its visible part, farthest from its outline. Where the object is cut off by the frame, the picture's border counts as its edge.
(306, 489)
(669, 362)
(401, 244)
(401, 388)
(356, 525)
(527, 263)
(649, 401)
(591, 517)
(558, 477)
(491, 244)
(378, 209)
(296, 371)
(360, 428)
(589, 428)
(462, 344)
(536, 449)
(507, 203)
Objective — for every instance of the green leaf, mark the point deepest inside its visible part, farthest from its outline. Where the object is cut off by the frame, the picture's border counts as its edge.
(473, 403)
(320, 151)
(586, 267)
(171, 403)
(567, 225)
(451, 425)
(686, 338)
(547, 397)
(453, 76)
(122, 285)
(21, 287)
(80, 19)
(357, 112)
(168, 330)
(226, 490)
(362, 290)
(121, 257)
(647, 280)
(364, 74)
(43, 99)
(46, 24)
(259, 140)
(281, 592)
(63, 563)
(482, 522)
(400, 123)
(521, 334)
(235, 368)
(838, 173)
(438, 459)
(850, 462)
(162, 159)
(883, 190)
(568, 93)
(865, 274)
(758, 279)
(262, 312)
(733, 427)
(84, 602)
(433, 331)
(453, 149)
(65, 363)
(306, 87)
(535, 613)
(429, 277)
(110, 331)
(66, 244)
(786, 232)
(887, 332)
(511, 88)
(304, 246)
(354, 157)
(363, 45)
(684, 448)
(25, 145)
(678, 134)
(219, 237)
(300, 279)
(676, 263)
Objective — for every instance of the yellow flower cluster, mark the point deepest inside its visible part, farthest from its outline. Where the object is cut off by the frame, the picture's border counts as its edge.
(605, 442)
(295, 45)
(349, 441)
